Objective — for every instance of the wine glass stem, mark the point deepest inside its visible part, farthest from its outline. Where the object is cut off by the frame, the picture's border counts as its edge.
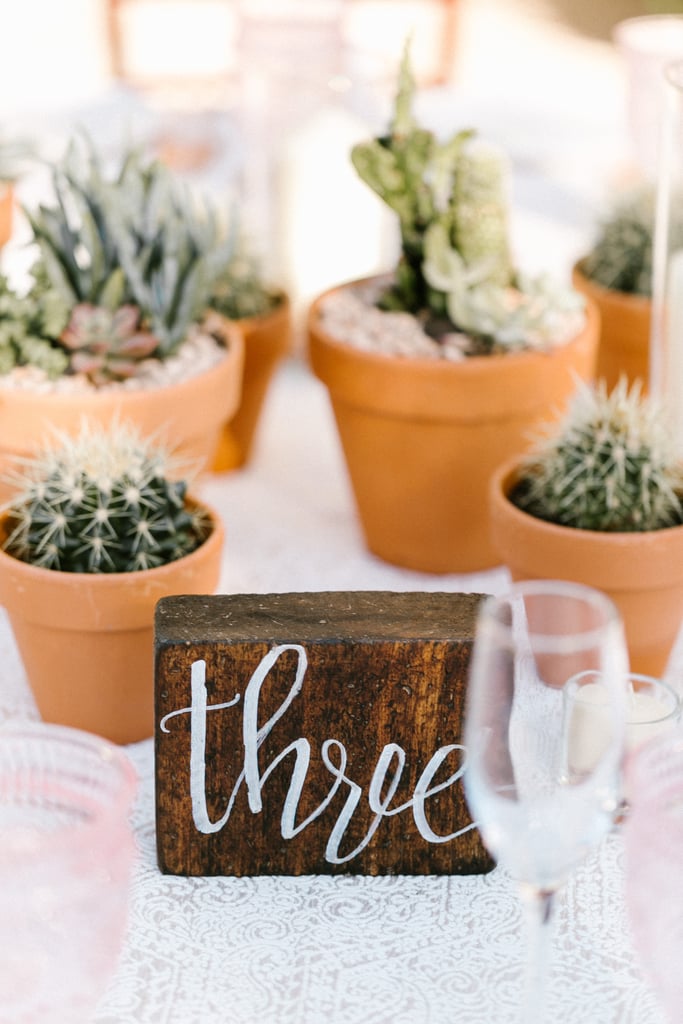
(539, 905)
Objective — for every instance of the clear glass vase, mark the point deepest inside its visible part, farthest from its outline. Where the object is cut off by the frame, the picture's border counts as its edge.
(646, 44)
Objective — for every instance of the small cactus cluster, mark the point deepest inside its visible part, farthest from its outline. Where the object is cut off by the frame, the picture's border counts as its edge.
(455, 270)
(239, 290)
(621, 255)
(610, 465)
(100, 502)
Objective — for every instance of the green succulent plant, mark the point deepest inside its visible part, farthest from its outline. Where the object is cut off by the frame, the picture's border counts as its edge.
(30, 326)
(610, 465)
(135, 238)
(455, 271)
(102, 501)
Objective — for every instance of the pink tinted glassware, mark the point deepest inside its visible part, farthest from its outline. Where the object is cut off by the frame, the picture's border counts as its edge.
(653, 838)
(66, 851)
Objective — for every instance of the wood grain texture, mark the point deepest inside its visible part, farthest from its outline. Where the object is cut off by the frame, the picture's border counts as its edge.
(381, 668)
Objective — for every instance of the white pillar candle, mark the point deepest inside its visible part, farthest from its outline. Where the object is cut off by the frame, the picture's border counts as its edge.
(589, 727)
(652, 708)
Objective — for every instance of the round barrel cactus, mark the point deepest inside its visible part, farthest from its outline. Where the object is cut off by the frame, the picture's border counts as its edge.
(101, 502)
(611, 465)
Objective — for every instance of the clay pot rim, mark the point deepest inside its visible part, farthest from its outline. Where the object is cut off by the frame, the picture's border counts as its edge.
(234, 353)
(636, 302)
(279, 311)
(509, 473)
(617, 562)
(111, 580)
(493, 388)
(474, 365)
(267, 331)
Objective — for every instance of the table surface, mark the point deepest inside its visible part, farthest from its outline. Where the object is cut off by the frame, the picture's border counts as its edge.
(340, 950)
(360, 950)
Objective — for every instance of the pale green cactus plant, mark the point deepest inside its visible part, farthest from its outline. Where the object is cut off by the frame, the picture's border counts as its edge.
(427, 183)
(101, 501)
(497, 319)
(455, 271)
(609, 465)
(134, 238)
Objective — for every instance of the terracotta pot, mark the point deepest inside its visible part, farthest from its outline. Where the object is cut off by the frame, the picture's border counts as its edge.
(187, 416)
(267, 339)
(6, 211)
(624, 346)
(87, 640)
(641, 572)
(421, 438)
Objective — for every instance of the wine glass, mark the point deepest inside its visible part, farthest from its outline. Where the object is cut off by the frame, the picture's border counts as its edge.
(539, 814)
(65, 859)
(653, 842)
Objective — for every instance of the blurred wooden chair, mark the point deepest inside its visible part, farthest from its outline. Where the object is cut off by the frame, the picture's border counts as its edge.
(377, 29)
(172, 45)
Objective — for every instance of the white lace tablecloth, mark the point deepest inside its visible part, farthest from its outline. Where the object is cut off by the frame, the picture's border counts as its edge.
(342, 950)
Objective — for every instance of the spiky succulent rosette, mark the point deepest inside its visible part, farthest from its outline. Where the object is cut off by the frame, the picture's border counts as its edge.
(610, 465)
(101, 502)
(106, 345)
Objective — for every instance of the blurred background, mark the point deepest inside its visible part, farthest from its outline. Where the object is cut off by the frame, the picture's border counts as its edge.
(259, 102)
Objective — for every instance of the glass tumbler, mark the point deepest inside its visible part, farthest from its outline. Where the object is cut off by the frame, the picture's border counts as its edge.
(66, 852)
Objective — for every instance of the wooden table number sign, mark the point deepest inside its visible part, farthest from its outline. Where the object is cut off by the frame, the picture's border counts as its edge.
(313, 733)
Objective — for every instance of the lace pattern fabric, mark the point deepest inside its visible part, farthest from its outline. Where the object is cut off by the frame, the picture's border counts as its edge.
(361, 950)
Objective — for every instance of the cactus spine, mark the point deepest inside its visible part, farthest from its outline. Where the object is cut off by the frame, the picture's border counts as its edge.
(101, 502)
(610, 465)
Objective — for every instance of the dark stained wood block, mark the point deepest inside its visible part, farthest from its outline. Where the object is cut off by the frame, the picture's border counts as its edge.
(313, 733)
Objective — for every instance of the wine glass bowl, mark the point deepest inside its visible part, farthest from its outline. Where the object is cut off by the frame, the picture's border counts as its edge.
(537, 815)
(65, 863)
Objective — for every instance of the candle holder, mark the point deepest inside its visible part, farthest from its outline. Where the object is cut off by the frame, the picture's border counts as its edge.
(652, 709)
